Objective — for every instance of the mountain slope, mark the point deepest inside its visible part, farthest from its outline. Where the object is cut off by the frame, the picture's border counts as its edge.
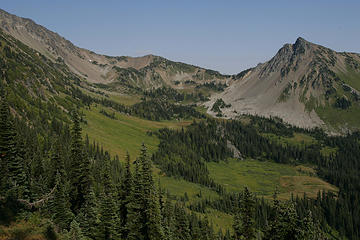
(41, 92)
(296, 84)
(120, 72)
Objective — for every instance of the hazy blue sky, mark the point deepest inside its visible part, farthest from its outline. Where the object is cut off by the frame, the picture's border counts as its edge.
(228, 36)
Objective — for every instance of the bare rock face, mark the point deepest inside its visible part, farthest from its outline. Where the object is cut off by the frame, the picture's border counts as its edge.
(236, 153)
(298, 79)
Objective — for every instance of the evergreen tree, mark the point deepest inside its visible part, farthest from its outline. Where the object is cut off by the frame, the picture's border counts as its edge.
(75, 232)
(126, 187)
(88, 217)
(168, 221)
(309, 229)
(182, 230)
(108, 217)
(237, 225)
(272, 231)
(244, 219)
(17, 173)
(151, 210)
(57, 166)
(80, 180)
(62, 214)
(197, 231)
(8, 155)
(284, 223)
(13, 179)
(134, 224)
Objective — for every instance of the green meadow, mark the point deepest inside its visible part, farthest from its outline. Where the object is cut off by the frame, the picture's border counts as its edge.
(124, 133)
(264, 177)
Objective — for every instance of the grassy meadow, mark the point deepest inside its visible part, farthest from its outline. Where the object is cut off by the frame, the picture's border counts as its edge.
(125, 133)
(264, 177)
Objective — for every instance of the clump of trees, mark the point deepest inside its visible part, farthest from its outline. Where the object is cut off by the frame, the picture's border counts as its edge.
(219, 104)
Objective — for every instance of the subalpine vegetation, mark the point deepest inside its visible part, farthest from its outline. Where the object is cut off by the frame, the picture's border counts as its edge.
(73, 189)
(54, 184)
(184, 153)
(79, 191)
(153, 108)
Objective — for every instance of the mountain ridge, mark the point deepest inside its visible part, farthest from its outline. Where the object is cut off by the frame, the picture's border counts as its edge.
(305, 84)
(295, 84)
(148, 71)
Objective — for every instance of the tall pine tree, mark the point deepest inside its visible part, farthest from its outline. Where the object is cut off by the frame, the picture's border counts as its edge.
(134, 224)
(125, 189)
(108, 215)
(244, 224)
(13, 179)
(7, 145)
(284, 222)
(88, 218)
(62, 214)
(80, 180)
(152, 216)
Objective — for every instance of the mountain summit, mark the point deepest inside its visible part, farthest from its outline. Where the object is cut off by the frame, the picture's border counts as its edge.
(305, 84)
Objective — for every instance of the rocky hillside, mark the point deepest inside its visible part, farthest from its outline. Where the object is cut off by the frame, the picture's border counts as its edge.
(305, 84)
(115, 72)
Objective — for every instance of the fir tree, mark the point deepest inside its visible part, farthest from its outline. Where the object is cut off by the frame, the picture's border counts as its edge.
(13, 180)
(237, 225)
(7, 146)
(168, 221)
(284, 224)
(80, 180)
(75, 232)
(126, 187)
(134, 224)
(88, 218)
(244, 218)
(272, 231)
(62, 214)
(182, 230)
(17, 173)
(108, 217)
(152, 216)
(57, 165)
(309, 229)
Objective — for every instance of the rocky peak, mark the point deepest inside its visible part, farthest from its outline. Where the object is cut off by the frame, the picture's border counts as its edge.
(300, 46)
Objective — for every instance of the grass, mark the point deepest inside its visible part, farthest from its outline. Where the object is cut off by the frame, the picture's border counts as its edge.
(299, 139)
(350, 77)
(300, 185)
(125, 133)
(263, 178)
(35, 227)
(127, 100)
(340, 117)
(327, 151)
(219, 220)
(201, 109)
(178, 187)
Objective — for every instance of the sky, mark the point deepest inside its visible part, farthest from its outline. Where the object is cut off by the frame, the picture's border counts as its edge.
(227, 36)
